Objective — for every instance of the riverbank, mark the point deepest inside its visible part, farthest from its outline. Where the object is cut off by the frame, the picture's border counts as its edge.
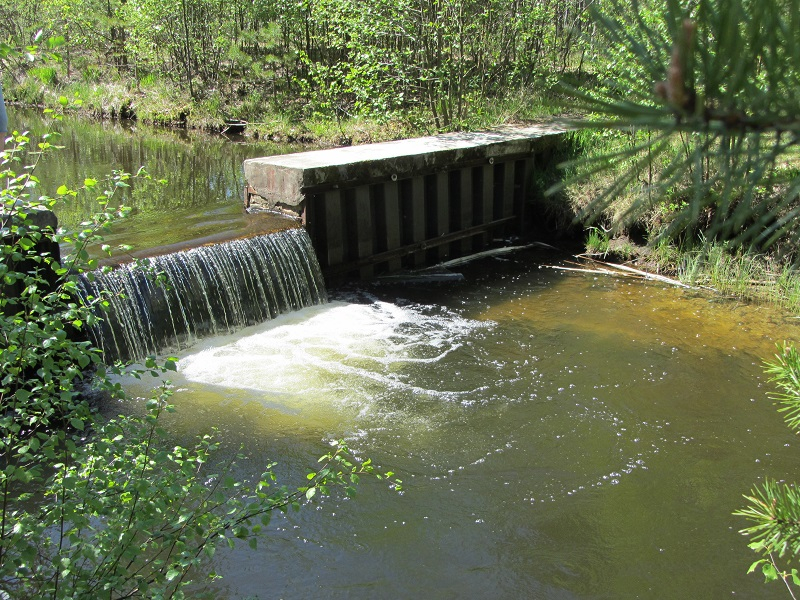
(717, 267)
(257, 117)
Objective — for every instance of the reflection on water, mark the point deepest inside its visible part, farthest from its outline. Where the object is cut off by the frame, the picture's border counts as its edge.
(203, 194)
(559, 435)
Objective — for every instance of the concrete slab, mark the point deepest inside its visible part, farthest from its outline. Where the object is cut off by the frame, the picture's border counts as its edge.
(286, 179)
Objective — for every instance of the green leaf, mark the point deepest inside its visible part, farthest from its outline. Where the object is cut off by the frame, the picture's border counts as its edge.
(54, 42)
(77, 423)
(754, 566)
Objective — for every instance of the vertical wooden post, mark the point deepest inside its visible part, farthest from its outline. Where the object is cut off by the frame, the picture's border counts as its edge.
(465, 191)
(418, 217)
(508, 189)
(487, 199)
(391, 212)
(442, 200)
(364, 230)
(334, 228)
(524, 177)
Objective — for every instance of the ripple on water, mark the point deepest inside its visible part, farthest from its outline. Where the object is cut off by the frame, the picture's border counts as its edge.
(419, 377)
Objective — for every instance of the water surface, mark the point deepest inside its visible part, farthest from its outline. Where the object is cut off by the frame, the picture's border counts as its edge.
(200, 199)
(559, 436)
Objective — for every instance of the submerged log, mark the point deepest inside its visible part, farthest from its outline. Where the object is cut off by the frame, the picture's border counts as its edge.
(421, 277)
(493, 252)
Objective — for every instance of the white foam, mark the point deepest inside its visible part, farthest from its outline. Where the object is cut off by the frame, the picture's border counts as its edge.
(340, 348)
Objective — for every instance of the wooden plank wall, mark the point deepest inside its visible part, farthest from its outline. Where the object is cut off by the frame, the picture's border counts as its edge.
(378, 228)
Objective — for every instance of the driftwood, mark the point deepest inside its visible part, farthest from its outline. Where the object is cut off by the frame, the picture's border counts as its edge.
(579, 270)
(652, 276)
(420, 277)
(493, 252)
(440, 274)
(616, 270)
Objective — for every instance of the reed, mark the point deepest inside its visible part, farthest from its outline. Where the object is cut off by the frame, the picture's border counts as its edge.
(743, 275)
(597, 241)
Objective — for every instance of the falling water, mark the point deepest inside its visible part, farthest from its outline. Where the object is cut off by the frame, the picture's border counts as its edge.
(168, 302)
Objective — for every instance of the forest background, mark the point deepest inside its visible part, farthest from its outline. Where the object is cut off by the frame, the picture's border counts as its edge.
(407, 66)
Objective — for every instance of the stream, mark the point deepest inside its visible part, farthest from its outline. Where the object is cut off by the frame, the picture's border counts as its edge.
(560, 435)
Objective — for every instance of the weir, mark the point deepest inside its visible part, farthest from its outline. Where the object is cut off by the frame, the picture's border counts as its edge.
(378, 208)
(168, 302)
(367, 209)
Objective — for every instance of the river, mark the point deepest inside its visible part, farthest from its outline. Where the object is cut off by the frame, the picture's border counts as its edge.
(560, 435)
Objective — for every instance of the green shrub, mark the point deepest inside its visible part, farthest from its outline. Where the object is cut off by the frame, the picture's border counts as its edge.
(773, 507)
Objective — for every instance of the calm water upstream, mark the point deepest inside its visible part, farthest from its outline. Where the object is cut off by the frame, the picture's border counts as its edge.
(202, 196)
(559, 435)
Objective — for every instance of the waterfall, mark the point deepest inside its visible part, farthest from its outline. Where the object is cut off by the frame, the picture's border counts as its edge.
(167, 302)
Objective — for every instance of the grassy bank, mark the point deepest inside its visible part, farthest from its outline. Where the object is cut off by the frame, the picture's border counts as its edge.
(717, 267)
(156, 102)
(742, 275)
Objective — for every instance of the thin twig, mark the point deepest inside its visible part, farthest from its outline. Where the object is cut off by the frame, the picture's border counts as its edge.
(783, 576)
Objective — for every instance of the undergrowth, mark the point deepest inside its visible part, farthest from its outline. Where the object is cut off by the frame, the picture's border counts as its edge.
(153, 101)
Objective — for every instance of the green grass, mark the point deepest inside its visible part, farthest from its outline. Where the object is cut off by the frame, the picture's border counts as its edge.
(742, 275)
(730, 272)
(597, 241)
